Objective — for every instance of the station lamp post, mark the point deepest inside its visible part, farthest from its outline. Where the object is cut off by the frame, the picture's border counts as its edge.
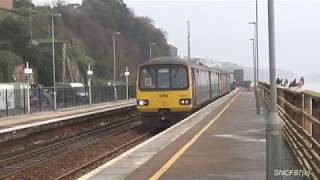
(274, 127)
(53, 62)
(150, 49)
(256, 71)
(256, 36)
(30, 22)
(114, 34)
(257, 55)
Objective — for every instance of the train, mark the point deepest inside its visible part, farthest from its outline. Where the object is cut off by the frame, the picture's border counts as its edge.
(168, 87)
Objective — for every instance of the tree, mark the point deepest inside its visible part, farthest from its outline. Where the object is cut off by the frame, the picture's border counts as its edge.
(14, 30)
(22, 4)
(8, 61)
(59, 3)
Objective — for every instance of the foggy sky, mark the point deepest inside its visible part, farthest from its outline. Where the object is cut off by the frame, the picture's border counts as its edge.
(220, 30)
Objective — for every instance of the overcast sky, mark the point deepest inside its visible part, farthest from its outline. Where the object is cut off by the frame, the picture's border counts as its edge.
(220, 30)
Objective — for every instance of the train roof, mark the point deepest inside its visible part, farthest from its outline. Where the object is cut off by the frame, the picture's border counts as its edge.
(176, 60)
(165, 60)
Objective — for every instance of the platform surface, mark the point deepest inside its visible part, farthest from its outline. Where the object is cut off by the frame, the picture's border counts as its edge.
(20, 120)
(223, 141)
(233, 147)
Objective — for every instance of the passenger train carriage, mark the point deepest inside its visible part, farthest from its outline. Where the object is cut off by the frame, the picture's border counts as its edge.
(168, 86)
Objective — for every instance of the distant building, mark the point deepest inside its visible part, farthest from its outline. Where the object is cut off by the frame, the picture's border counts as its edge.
(195, 60)
(206, 62)
(173, 51)
(238, 76)
(6, 4)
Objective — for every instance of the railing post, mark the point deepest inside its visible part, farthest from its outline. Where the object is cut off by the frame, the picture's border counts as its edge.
(7, 108)
(94, 94)
(24, 100)
(90, 94)
(85, 97)
(102, 94)
(39, 99)
(28, 97)
(307, 107)
(64, 98)
(53, 99)
(76, 96)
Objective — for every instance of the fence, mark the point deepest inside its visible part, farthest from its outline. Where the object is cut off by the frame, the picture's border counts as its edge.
(300, 114)
(14, 101)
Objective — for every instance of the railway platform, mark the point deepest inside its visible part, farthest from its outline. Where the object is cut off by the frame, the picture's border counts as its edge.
(23, 121)
(20, 133)
(224, 140)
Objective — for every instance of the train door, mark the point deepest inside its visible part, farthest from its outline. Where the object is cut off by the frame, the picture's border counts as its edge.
(219, 83)
(210, 84)
(194, 87)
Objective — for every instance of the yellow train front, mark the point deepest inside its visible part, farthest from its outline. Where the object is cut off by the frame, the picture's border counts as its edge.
(169, 87)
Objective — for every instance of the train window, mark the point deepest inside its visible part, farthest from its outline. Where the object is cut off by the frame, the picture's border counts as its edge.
(179, 77)
(162, 77)
(163, 80)
(147, 78)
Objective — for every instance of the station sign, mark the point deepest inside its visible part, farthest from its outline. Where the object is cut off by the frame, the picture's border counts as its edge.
(27, 70)
(89, 72)
(126, 73)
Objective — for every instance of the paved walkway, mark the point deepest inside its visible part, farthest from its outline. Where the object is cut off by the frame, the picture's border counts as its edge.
(223, 141)
(233, 147)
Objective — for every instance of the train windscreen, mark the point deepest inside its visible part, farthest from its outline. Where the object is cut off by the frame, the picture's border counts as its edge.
(163, 77)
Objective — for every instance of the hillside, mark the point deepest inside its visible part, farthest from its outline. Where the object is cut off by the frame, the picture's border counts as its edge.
(83, 36)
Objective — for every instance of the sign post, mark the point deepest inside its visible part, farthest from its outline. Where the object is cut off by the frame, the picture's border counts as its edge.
(127, 74)
(28, 73)
(90, 75)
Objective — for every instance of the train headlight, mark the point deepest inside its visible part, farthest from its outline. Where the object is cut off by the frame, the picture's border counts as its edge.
(185, 101)
(143, 102)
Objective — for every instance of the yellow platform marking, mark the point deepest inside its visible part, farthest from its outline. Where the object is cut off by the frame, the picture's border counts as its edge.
(178, 154)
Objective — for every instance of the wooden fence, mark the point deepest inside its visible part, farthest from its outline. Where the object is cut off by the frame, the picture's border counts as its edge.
(300, 114)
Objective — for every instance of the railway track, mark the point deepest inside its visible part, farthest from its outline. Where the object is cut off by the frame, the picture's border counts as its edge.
(71, 173)
(19, 164)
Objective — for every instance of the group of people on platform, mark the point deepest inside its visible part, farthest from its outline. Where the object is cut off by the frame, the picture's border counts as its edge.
(293, 84)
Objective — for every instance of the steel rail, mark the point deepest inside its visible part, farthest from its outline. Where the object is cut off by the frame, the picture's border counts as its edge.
(84, 166)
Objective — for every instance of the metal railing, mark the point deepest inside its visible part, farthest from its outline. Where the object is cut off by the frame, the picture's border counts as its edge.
(14, 101)
(300, 114)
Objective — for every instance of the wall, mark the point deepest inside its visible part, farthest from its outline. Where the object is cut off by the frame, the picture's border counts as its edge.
(6, 4)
